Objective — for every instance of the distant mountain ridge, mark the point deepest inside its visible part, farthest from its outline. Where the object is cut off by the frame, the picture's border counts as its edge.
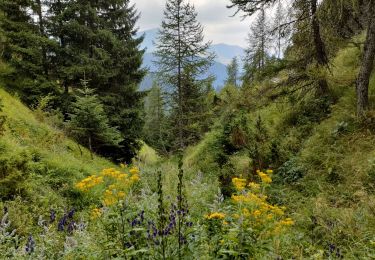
(224, 54)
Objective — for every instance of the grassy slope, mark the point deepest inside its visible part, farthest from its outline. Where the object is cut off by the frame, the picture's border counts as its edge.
(334, 201)
(39, 164)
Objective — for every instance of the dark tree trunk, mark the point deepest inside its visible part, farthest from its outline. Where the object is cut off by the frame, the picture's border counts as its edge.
(367, 63)
(42, 33)
(320, 50)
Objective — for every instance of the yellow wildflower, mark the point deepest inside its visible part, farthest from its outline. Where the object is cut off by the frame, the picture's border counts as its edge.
(215, 215)
(122, 165)
(135, 178)
(254, 186)
(287, 222)
(134, 170)
(96, 213)
(239, 184)
(264, 177)
(121, 194)
(257, 213)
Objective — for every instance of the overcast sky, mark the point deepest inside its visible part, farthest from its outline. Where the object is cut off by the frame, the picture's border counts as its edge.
(219, 26)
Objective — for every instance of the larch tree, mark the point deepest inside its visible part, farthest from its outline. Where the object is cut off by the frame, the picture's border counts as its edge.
(259, 40)
(281, 34)
(307, 12)
(183, 59)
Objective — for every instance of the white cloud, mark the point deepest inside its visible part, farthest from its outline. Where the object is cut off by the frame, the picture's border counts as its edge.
(216, 18)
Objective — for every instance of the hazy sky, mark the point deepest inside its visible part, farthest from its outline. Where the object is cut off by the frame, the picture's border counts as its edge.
(219, 26)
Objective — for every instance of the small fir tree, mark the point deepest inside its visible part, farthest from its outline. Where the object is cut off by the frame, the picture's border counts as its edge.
(89, 124)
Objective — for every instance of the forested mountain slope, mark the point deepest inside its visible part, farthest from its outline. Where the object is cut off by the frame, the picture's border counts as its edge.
(323, 156)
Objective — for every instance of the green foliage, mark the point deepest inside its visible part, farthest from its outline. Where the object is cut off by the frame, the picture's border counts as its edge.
(233, 73)
(321, 154)
(50, 45)
(89, 123)
(290, 172)
(183, 58)
(25, 50)
(156, 125)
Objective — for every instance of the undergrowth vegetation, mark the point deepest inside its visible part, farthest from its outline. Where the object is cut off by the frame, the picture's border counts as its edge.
(293, 179)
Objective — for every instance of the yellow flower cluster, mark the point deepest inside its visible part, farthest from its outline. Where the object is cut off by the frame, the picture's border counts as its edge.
(89, 182)
(254, 186)
(215, 215)
(113, 173)
(119, 183)
(253, 207)
(265, 177)
(95, 213)
(134, 171)
(239, 184)
(282, 224)
(112, 195)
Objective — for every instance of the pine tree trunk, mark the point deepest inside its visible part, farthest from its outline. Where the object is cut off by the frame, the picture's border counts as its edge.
(320, 50)
(179, 87)
(364, 75)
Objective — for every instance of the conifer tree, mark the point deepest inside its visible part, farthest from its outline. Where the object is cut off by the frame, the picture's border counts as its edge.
(89, 124)
(120, 94)
(232, 72)
(259, 40)
(98, 38)
(183, 58)
(306, 15)
(281, 32)
(25, 49)
(155, 128)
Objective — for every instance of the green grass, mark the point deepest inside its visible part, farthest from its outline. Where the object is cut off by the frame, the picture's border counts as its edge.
(39, 164)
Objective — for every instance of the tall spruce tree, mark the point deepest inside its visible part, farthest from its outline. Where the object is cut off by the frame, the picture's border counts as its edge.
(25, 49)
(183, 59)
(98, 38)
(121, 95)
